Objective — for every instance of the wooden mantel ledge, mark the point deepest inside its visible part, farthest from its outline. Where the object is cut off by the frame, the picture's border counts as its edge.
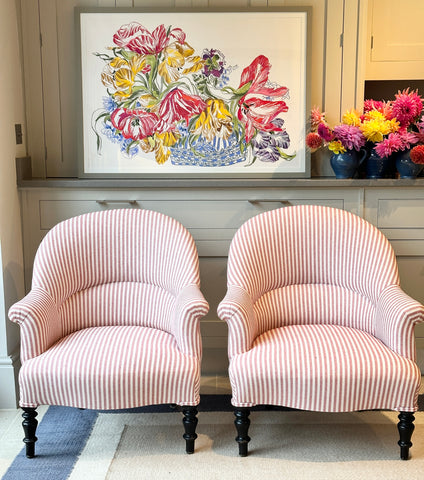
(24, 180)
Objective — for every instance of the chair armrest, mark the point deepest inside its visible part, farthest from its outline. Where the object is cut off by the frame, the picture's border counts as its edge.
(39, 321)
(190, 307)
(396, 316)
(237, 310)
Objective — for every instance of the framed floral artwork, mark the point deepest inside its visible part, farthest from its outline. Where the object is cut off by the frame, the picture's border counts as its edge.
(194, 93)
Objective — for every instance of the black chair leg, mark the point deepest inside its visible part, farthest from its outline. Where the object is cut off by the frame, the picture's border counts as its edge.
(190, 423)
(406, 428)
(242, 424)
(30, 426)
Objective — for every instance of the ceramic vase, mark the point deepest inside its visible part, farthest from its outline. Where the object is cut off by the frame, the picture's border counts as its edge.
(406, 167)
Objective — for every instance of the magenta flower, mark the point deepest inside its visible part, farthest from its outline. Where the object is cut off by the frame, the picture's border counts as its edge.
(373, 105)
(406, 107)
(389, 145)
(261, 104)
(325, 132)
(177, 105)
(135, 124)
(138, 39)
(350, 136)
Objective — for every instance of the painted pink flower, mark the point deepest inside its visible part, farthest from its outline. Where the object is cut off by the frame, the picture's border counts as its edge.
(137, 38)
(177, 105)
(135, 124)
(261, 104)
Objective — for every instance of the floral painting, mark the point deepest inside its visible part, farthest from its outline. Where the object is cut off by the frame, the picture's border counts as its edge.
(194, 93)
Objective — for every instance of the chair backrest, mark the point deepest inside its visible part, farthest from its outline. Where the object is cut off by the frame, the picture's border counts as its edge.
(103, 265)
(315, 249)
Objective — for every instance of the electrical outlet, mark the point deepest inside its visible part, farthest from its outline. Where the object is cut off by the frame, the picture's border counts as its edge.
(18, 133)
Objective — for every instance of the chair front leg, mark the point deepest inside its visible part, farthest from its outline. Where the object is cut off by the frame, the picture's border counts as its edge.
(242, 424)
(406, 428)
(30, 426)
(190, 423)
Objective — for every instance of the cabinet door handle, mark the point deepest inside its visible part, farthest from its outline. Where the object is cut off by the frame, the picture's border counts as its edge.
(287, 203)
(108, 202)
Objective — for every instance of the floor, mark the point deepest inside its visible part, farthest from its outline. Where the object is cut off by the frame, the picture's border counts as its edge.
(11, 433)
(11, 420)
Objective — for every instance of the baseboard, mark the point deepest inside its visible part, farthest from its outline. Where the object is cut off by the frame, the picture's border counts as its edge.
(9, 368)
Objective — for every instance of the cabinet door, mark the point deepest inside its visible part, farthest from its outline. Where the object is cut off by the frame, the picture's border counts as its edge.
(395, 40)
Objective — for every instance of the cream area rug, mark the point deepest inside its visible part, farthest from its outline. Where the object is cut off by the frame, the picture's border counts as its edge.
(289, 445)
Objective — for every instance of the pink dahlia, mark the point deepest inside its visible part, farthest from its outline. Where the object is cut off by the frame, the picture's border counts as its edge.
(324, 131)
(350, 136)
(317, 117)
(408, 139)
(406, 107)
(313, 141)
(417, 154)
(373, 105)
(393, 143)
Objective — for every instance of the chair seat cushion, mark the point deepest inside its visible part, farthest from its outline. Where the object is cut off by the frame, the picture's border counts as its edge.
(109, 368)
(327, 368)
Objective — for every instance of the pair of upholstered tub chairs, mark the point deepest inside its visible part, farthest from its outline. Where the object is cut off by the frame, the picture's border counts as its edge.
(316, 318)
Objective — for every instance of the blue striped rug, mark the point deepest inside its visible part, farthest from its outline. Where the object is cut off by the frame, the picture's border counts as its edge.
(63, 433)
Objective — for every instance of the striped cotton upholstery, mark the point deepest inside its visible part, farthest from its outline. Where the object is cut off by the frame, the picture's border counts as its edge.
(316, 316)
(112, 318)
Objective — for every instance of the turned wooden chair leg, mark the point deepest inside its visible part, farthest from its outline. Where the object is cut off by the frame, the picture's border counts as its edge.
(406, 428)
(190, 423)
(242, 424)
(30, 426)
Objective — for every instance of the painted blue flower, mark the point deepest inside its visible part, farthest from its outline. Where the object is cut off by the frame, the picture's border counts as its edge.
(266, 145)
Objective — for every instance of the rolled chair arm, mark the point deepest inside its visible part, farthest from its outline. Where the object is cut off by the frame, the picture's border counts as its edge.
(237, 310)
(39, 321)
(396, 316)
(190, 307)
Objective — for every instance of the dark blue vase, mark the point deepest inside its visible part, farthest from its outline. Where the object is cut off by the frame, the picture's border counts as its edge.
(380, 167)
(345, 165)
(406, 167)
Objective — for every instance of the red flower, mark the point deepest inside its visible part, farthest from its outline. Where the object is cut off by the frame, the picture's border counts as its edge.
(261, 104)
(177, 105)
(135, 124)
(417, 154)
(138, 39)
(313, 140)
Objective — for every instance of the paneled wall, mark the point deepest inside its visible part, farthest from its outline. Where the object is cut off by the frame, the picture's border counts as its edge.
(50, 54)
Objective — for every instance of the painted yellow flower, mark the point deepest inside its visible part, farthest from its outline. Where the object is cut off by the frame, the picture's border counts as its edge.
(119, 74)
(214, 121)
(179, 61)
(159, 143)
(336, 147)
(352, 117)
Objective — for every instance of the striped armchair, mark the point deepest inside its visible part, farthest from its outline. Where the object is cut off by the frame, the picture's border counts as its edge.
(112, 318)
(317, 319)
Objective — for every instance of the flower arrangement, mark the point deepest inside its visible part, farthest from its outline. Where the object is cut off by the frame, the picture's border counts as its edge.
(163, 98)
(387, 127)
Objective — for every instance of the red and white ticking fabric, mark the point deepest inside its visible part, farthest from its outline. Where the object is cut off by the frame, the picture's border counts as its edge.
(112, 318)
(316, 317)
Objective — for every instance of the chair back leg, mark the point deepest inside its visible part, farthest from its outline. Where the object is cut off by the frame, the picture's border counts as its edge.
(190, 423)
(242, 424)
(406, 427)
